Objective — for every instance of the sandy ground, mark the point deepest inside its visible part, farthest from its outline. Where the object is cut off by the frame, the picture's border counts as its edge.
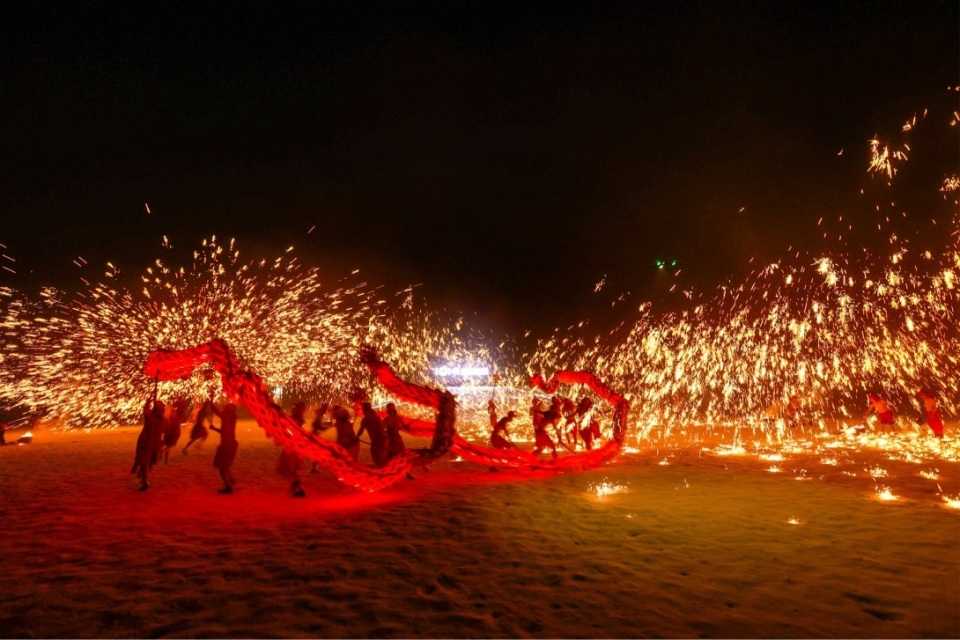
(696, 545)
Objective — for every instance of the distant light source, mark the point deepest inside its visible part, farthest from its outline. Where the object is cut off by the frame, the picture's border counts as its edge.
(461, 372)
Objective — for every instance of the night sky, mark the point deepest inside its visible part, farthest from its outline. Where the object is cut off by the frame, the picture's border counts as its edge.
(508, 156)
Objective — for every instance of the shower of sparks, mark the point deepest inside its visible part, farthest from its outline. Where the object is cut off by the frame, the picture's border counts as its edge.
(883, 158)
(787, 355)
(76, 360)
(776, 363)
(931, 475)
(952, 502)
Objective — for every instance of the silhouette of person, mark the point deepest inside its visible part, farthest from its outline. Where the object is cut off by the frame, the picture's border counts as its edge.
(290, 461)
(884, 412)
(373, 425)
(542, 440)
(199, 429)
(931, 413)
(346, 437)
(149, 442)
(588, 427)
(171, 436)
(498, 439)
(227, 449)
(392, 424)
(492, 413)
(317, 426)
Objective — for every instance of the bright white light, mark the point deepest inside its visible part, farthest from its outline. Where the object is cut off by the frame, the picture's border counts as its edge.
(461, 372)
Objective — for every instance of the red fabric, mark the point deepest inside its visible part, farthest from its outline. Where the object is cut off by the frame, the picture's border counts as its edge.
(249, 390)
(402, 390)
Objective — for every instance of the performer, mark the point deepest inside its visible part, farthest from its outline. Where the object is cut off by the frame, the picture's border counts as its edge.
(446, 424)
(346, 437)
(288, 466)
(227, 449)
(392, 424)
(552, 418)
(589, 428)
(298, 413)
(318, 426)
(372, 425)
(149, 441)
(498, 439)
(542, 439)
(199, 429)
(492, 413)
(570, 420)
(536, 412)
(178, 415)
(931, 413)
(884, 413)
(794, 412)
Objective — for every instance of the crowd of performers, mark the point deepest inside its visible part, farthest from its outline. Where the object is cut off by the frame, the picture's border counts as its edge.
(570, 422)
(163, 426)
(886, 419)
(560, 423)
(796, 414)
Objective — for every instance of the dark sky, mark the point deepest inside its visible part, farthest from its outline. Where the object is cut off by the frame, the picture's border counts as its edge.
(504, 154)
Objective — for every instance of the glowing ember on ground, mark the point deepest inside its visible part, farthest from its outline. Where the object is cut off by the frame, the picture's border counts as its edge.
(885, 493)
(773, 469)
(931, 475)
(793, 521)
(952, 502)
(731, 450)
(606, 488)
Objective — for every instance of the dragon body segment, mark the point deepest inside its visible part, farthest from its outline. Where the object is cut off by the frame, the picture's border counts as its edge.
(249, 390)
